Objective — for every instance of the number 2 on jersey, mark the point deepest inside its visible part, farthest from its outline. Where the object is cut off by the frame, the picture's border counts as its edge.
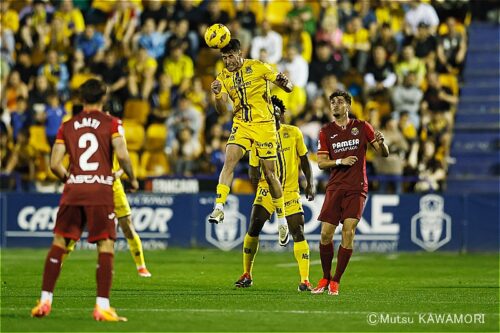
(85, 165)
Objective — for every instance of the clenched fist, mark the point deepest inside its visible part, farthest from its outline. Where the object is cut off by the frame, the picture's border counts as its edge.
(379, 137)
(216, 87)
(350, 160)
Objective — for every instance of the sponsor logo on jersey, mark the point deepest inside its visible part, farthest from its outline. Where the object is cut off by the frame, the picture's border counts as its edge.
(248, 70)
(90, 179)
(286, 135)
(354, 131)
(346, 145)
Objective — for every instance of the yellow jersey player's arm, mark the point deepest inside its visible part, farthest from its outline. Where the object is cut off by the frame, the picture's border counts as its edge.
(56, 158)
(221, 96)
(254, 170)
(278, 79)
(305, 165)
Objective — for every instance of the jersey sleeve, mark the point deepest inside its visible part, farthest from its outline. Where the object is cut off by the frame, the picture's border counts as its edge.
(253, 158)
(299, 141)
(369, 132)
(322, 143)
(117, 128)
(268, 72)
(60, 135)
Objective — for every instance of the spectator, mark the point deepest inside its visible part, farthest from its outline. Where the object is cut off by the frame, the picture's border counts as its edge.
(214, 14)
(296, 35)
(25, 67)
(35, 23)
(322, 65)
(438, 99)
(15, 89)
(345, 14)
(151, 40)
(242, 34)
(91, 43)
(395, 163)
(41, 90)
(425, 45)
(330, 33)
(246, 17)
(22, 159)
(410, 63)
(179, 67)
(186, 38)
(19, 117)
(56, 72)
(312, 121)
(54, 113)
(406, 96)
(161, 100)
(9, 19)
(451, 49)
(184, 115)
(121, 25)
(197, 95)
(72, 18)
(155, 10)
(431, 169)
(420, 12)
(7, 45)
(387, 40)
(142, 69)
(57, 39)
(380, 76)
(329, 84)
(357, 44)
(304, 12)
(187, 10)
(111, 71)
(186, 149)
(295, 65)
(269, 40)
(410, 133)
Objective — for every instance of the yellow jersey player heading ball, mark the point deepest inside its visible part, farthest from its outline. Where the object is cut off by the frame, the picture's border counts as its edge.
(217, 36)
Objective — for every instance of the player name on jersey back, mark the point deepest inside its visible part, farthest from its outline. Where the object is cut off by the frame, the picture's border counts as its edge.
(88, 139)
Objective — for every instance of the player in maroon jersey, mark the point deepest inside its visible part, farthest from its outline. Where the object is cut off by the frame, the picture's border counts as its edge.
(90, 138)
(342, 150)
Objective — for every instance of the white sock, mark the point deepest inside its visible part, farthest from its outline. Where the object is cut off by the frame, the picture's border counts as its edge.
(103, 303)
(282, 221)
(219, 206)
(46, 296)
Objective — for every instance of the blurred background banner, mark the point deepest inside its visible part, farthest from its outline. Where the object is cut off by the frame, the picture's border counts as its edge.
(390, 223)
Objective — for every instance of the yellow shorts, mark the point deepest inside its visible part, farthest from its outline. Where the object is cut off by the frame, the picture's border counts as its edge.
(293, 205)
(262, 134)
(122, 208)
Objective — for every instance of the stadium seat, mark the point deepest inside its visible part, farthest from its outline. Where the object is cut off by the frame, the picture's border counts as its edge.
(276, 11)
(154, 164)
(156, 136)
(134, 134)
(136, 109)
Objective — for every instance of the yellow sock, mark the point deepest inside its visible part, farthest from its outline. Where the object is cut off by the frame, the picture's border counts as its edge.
(250, 248)
(69, 248)
(135, 247)
(222, 192)
(301, 252)
(279, 204)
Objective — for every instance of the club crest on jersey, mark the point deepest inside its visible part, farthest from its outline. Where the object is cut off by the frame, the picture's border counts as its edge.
(286, 135)
(248, 70)
(355, 131)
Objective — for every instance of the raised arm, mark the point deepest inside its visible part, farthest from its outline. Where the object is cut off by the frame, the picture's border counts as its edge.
(220, 97)
(283, 82)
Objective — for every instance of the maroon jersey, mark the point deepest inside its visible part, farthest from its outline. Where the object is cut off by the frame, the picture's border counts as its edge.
(87, 137)
(340, 142)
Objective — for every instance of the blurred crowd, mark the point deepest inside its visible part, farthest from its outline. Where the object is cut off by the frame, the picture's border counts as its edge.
(402, 61)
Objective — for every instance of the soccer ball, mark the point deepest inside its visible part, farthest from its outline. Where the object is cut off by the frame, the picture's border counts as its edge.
(217, 36)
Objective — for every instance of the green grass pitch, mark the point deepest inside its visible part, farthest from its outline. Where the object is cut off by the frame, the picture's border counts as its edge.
(192, 290)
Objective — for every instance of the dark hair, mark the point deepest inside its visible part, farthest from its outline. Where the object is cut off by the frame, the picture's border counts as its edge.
(277, 102)
(92, 91)
(234, 45)
(341, 93)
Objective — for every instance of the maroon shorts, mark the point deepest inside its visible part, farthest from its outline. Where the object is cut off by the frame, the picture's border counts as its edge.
(342, 204)
(100, 222)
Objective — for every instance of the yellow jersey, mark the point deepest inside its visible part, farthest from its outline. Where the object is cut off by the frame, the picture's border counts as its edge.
(290, 147)
(249, 89)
